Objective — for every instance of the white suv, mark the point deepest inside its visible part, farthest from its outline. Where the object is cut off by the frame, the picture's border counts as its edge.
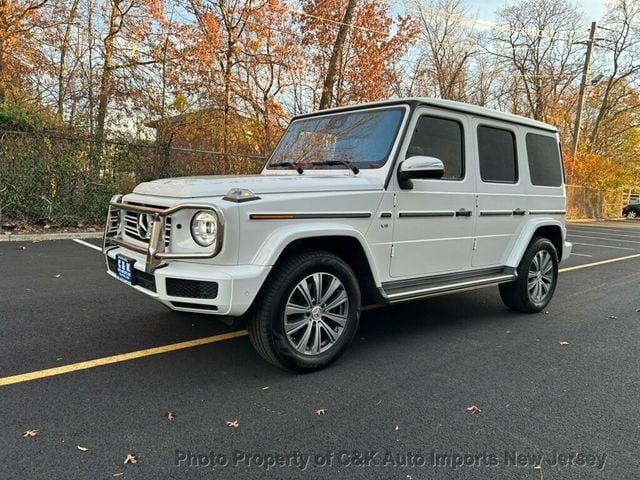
(370, 204)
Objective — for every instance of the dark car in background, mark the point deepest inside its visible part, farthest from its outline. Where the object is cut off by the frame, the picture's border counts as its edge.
(631, 210)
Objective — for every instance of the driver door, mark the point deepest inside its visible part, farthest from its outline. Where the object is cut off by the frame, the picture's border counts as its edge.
(434, 222)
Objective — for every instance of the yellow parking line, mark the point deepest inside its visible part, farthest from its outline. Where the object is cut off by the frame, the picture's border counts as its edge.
(98, 362)
(602, 262)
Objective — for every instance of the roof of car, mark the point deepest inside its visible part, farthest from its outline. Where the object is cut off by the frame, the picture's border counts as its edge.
(445, 105)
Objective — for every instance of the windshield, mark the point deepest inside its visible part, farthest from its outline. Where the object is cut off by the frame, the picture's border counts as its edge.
(362, 138)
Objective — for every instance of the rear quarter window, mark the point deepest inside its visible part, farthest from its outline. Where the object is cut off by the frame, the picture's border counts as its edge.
(545, 167)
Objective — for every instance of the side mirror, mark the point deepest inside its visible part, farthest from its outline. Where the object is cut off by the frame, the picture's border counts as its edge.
(419, 167)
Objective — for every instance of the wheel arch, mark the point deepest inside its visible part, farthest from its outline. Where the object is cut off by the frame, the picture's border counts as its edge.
(347, 244)
(548, 228)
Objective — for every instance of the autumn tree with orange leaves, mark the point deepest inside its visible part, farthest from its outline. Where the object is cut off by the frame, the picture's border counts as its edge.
(374, 44)
(18, 20)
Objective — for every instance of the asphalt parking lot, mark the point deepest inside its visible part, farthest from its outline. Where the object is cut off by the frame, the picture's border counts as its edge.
(557, 393)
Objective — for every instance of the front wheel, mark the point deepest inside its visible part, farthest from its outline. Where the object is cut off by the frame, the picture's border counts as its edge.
(307, 312)
(537, 278)
(632, 214)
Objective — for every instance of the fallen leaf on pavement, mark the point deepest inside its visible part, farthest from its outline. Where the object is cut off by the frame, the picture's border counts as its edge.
(82, 449)
(397, 427)
(265, 388)
(233, 424)
(321, 411)
(30, 433)
(613, 317)
(170, 416)
(564, 343)
(473, 409)
(130, 459)
(57, 276)
(118, 474)
(22, 248)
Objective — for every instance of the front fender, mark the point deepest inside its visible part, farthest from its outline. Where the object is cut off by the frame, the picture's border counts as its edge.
(527, 233)
(275, 243)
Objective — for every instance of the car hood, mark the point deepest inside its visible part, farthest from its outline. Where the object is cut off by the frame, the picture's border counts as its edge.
(192, 187)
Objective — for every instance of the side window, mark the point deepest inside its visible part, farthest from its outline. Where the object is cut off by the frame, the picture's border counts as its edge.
(544, 160)
(497, 155)
(440, 138)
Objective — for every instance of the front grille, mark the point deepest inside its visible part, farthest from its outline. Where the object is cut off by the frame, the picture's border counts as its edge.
(143, 279)
(177, 287)
(131, 224)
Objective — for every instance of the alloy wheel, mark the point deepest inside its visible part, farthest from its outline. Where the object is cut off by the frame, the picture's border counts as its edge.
(540, 277)
(316, 313)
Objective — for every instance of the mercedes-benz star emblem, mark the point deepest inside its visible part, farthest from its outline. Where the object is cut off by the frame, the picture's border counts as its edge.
(144, 225)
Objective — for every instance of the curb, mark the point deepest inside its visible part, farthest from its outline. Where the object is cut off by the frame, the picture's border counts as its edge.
(41, 237)
(582, 220)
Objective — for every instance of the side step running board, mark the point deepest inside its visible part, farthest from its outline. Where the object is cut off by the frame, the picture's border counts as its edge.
(403, 290)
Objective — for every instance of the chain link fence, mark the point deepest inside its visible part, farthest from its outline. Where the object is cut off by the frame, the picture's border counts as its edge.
(52, 181)
(586, 202)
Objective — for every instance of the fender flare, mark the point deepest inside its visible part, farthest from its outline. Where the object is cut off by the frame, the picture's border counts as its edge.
(527, 233)
(275, 243)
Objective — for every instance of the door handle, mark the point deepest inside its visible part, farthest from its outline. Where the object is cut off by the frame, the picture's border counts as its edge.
(517, 211)
(463, 213)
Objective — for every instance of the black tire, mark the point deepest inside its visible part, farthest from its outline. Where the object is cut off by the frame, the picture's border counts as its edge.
(516, 295)
(266, 319)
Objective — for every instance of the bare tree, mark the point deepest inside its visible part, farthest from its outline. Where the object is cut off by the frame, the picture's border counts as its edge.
(64, 48)
(621, 47)
(447, 41)
(537, 38)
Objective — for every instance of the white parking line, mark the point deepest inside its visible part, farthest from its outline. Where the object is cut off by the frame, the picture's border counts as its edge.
(87, 244)
(622, 228)
(605, 246)
(584, 230)
(605, 238)
(582, 255)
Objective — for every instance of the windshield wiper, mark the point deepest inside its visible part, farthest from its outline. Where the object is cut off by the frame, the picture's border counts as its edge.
(295, 165)
(345, 163)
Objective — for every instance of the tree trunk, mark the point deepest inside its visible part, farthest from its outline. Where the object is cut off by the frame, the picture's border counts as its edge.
(3, 29)
(227, 108)
(105, 81)
(336, 55)
(63, 53)
(2, 75)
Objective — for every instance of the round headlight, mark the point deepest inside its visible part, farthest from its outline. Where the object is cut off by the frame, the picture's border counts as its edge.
(204, 228)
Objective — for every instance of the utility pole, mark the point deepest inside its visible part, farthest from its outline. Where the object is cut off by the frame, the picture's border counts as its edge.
(583, 87)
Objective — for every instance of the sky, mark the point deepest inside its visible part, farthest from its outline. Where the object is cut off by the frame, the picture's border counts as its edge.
(593, 9)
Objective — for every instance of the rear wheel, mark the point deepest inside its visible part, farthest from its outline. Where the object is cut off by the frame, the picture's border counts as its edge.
(537, 278)
(307, 313)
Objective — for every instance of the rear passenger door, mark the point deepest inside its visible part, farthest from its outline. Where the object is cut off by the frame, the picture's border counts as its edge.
(501, 198)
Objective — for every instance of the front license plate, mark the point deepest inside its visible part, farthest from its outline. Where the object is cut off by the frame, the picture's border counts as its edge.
(125, 270)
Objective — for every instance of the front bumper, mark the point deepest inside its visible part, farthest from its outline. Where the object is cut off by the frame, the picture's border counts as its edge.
(236, 285)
